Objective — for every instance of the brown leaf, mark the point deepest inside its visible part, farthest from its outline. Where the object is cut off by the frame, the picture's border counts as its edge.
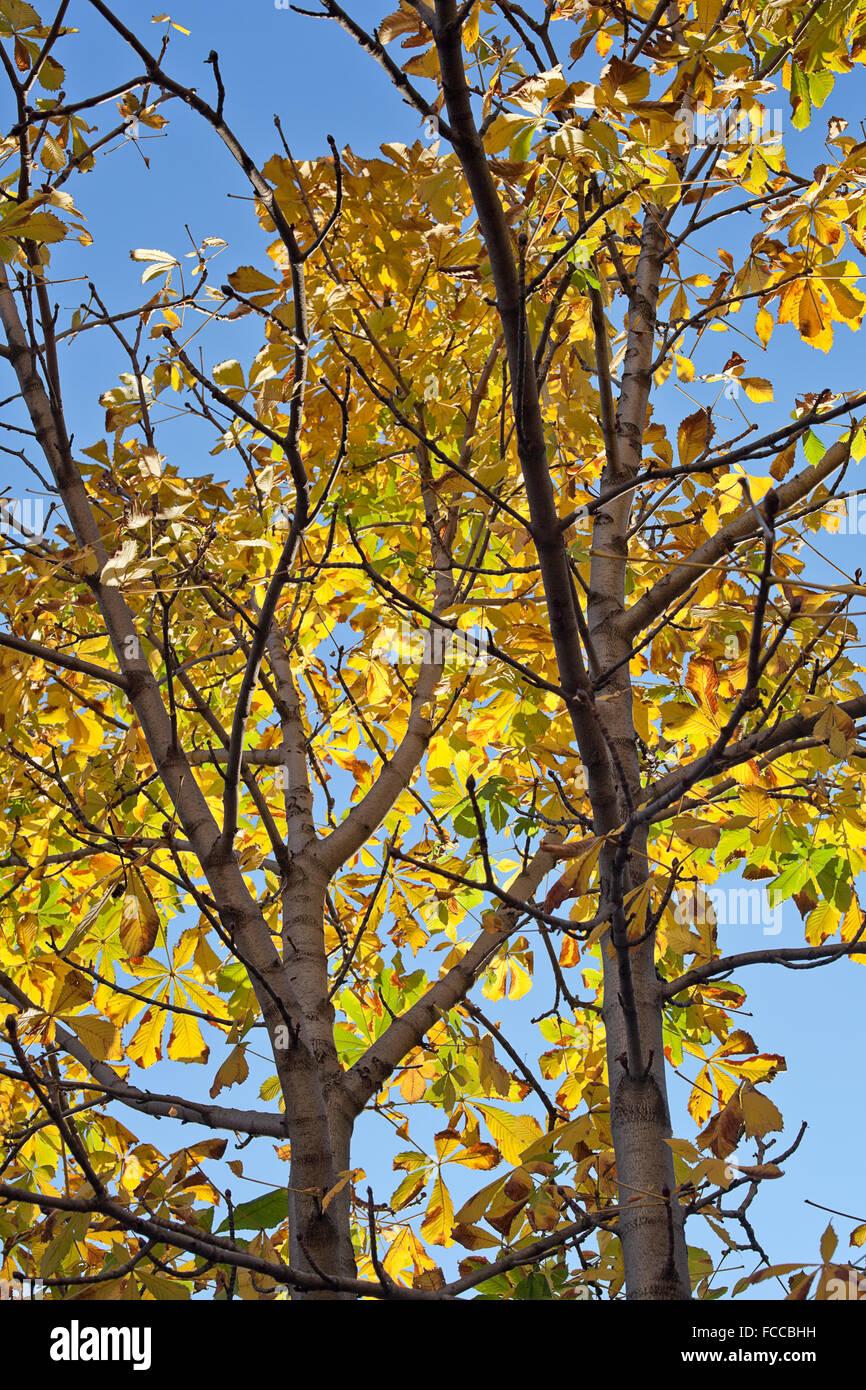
(761, 1170)
(473, 1237)
(800, 1291)
(518, 1186)
(505, 1220)
(723, 1132)
(783, 462)
(805, 902)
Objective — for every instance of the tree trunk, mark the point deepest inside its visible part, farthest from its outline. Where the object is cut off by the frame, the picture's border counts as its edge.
(652, 1236)
(320, 1241)
(652, 1227)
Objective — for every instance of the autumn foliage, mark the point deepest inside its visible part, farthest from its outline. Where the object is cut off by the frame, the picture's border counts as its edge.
(388, 762)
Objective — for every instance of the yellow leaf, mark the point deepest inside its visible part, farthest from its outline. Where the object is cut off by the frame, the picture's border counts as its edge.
(764, 325)
(447, 1142)
(624, 81)
(688, 721)
(481, 1157)
(139, 919)
(569, 1094)
(511, 1133)
(475, 1208)
(412, 1084)
(693, 436)
(439, 1217)
(470, 28)
(603, 42)
(185, 1043)
(570, 951)
(407, 1190)
(636, 904)
(759, 1113)
(814, 325)
(85, 731)
(783, 462)
(703, 836)
(494, 980)
(378, 687)
(270, 1089)
(70, 990)
(790, 301)
(822, 922)
(99, 1035)
(852, 920)
(144, 1045)
(425, 65)
(51, 155)
(706, 14)
(702, 678)
(840, 283)
(406, 1252)
(757, 388)
(335, 1190)
(521, 980)
(393, 25)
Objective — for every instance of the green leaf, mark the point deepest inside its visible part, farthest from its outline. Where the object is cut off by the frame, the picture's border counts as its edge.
(520, 147)
(813, 448)
(820, 86)
(262, 1214)
(801, 103)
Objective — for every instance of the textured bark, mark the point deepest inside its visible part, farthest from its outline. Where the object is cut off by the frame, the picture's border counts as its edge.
(652, 1237)
(652, 1233)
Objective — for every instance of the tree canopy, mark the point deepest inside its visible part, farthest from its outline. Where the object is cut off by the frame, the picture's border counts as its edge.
(386, 751)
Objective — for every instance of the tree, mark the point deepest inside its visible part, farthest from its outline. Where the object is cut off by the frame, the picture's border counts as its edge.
(471, 631)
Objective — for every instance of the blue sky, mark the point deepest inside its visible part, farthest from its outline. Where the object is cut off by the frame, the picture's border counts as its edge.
(317, 80)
